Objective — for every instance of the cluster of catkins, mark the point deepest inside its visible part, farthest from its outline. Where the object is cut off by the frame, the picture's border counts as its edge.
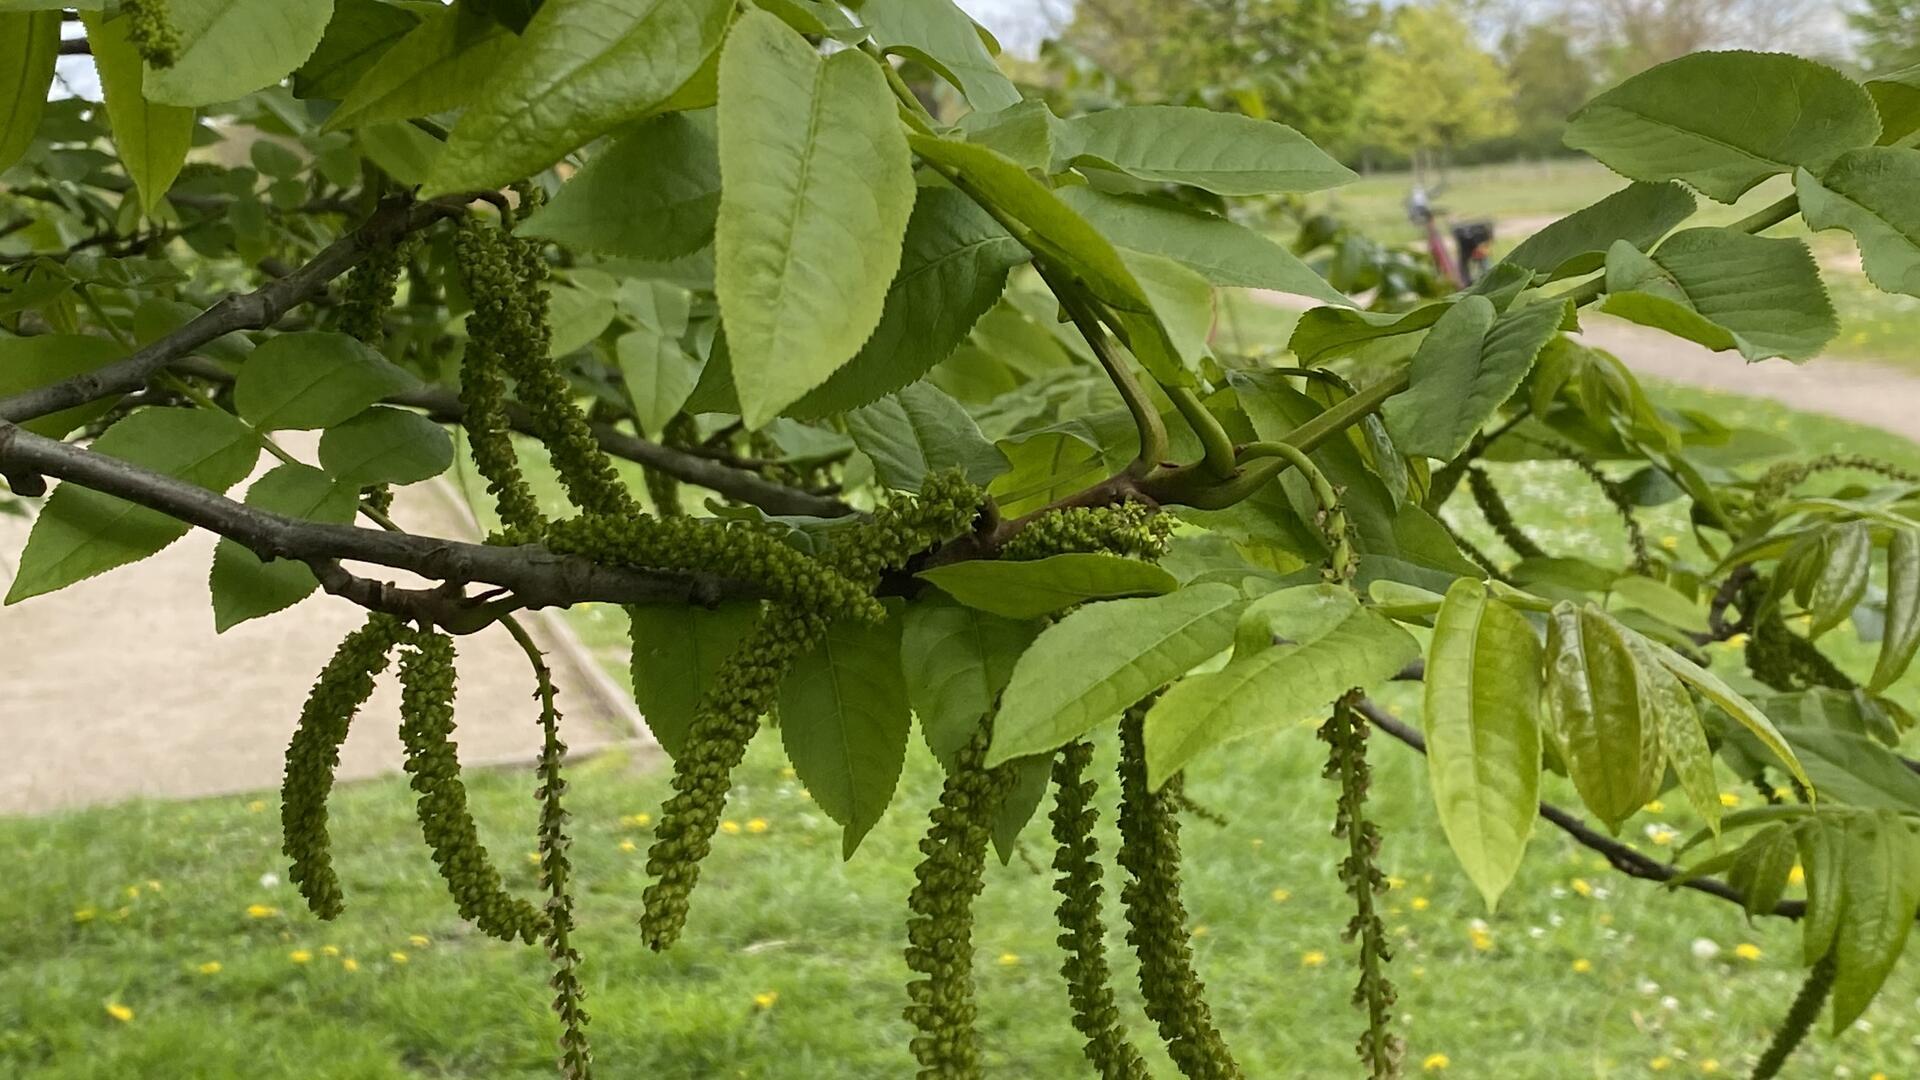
(150, 29)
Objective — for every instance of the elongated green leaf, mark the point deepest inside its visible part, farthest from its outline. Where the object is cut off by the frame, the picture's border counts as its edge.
(32, 362)
(920, 431)
(819, 186)
(1030, 782)
(1577, 244)
(358, 35)
(1869, 193)
(1822, 839)
(1469, 364)
(1027, 588)
(659, 374)
(313, 379)
(1322, 643)
(844, 721)
(81, 532)
(1605, 731)
(1088, 667)
(385, 446)
(956, 660)
(29, 44)
(1225, 153)
(941, 36)
(439, 65)
(1897, 95)
(1744, 712)
(1023, 132)
(1724, 121)
(582, 68)
(243, 586)
(152, 139)
(233, 47)
(652, 194)
(401, 150)
(953, 267)
(1852, 769)
(1222, 251)
(1325, 333)
(1482, 717)
(1900, 639)
(1677, 731)
(1726, 290)
(1880, 862)
(677, 649)
(1841, 583)
(1761, 871)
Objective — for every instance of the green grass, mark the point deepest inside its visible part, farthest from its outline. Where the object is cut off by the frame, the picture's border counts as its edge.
(791, 965)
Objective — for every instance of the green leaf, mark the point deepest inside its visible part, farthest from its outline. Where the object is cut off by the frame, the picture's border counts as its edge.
(1678, 731)
(659, 374)
(1482, 717)
(918, 432)
(941, 36)
(1601, 721)
(1900, 640)
(953, 267)
(245, 587)
(1468, 365)
(81, 532)
(385, 446)
(32, 362)
(439, 65)
(1296, 650)
(651, 194)
(844, 720)
(401, 150)
(1724, 121)
(313, 379)
(152, 139)
(1325, 333)
(229, 48)
(1732, 703)
(1880, 861)
(358, 35)
(1225, 153)
(1822, 839)
(1726, 290)
(1659, 599)
(29, 44)
(1853, 770)
(1023, 589)
(1023, 132)
(1222, 251)
(1897, 95)
(956, 660)
(1869, 193)
(819, 185)
(578, 317)
(1095, 662)
(677, 650)
(1031, 776)
(581, 69)
(1761, 871)
(1841, 582)
(1577, 244)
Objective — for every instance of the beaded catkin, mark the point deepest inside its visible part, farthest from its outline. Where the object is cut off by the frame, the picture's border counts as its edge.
(1345, 734)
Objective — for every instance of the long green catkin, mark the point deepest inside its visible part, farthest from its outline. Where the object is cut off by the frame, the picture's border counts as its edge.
(1799, 1019)
(1082, 931)
(1175, 997)
(426, 730)
(556, 873)
(313, 754)
(1346, 737)
(150, 29)
(1494, 508)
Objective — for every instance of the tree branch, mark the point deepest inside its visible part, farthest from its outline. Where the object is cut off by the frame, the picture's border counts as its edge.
(535, 576)
(255, 310)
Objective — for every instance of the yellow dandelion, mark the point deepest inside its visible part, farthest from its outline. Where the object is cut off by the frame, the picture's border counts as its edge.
(1710, 1065)
(1582, 966)
(133, 892)
(256, 806)
(1581, 885)
(329, 950)
(300, 956)
(1737, 641)
(211, 967)
(1396, 882)
(84, 915)
(1202, 930)
(1729, 799)
(261, 911)
(766, 999)
(419, 941)
(1420, 972)
(1670, 542)
(349, 964)
(1878, 1076)
(1482, 940)
(731, 828)
(1661, 1063)
(1797, 875)
(1281, 896)
(1420, 903)
(152, 885)
(757, 825)
(629, 846)
(637, 821)
(1435, 1063)
(1661, 837)
(1007, 959)
(1655, 807)
(119, 1012)
(397, 957)
(787, 773)
(1312, 958)
(1747, 950)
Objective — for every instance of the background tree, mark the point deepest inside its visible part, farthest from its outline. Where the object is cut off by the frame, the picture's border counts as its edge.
(1550, 77)
(1432, 87)
(1889, 33)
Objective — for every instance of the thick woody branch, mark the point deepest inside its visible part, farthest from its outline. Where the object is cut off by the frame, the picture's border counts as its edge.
(535, 576)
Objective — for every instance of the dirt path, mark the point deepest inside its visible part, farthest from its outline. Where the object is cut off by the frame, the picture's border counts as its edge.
(118, 687)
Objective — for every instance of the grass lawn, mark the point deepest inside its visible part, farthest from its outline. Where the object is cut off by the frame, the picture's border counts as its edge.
(159, 940)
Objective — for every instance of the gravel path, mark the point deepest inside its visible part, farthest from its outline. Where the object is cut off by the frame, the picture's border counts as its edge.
(118, 688)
